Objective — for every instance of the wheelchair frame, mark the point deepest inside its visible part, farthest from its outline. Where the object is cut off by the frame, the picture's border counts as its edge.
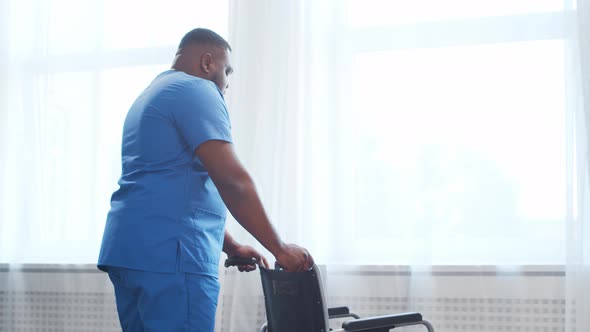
(284, 291)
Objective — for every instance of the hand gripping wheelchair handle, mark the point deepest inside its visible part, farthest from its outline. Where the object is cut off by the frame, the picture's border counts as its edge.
(237, 261)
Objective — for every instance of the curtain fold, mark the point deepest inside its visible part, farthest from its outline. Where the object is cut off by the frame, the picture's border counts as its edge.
(578, 220)
(266, 105)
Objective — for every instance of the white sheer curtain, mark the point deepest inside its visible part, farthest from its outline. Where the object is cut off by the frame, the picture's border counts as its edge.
(426, 125)
(404, 136)
(578, 198)
(70, 71)
(427, 134)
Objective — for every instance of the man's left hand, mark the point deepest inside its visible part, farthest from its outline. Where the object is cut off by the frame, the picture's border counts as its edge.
(248, 252)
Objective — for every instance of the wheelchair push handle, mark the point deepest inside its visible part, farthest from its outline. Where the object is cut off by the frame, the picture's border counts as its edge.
(239, 261)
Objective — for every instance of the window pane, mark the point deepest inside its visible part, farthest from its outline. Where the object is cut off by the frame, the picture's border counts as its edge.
(72, 27)
(364, 13)
(461, 151)
(60, 210)
(141, 23)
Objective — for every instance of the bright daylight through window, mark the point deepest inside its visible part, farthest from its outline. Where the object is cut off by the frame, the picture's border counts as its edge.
(457, 145)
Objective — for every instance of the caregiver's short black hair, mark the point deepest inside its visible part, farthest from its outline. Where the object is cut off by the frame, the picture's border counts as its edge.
(204, 36)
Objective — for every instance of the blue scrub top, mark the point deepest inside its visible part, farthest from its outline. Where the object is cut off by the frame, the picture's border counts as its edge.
(167, 215)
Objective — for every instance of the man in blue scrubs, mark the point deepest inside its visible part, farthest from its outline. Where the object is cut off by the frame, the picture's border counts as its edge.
(166, 227)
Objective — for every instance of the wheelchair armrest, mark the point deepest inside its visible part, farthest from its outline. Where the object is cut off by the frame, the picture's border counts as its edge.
(382, 321)
(337, 311)
(340, 312)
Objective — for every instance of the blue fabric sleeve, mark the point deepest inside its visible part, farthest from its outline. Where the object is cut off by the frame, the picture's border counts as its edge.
(202, 116)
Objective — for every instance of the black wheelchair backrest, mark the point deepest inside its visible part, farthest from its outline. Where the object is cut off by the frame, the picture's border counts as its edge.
(294, 301)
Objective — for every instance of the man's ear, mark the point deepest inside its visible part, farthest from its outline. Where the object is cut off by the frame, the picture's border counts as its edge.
(206, 62)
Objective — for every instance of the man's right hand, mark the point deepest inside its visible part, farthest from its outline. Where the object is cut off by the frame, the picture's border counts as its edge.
(294, 258)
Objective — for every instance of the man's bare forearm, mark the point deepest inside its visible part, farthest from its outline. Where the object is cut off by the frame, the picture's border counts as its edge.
(243, 202)
(229, 244)
(239, 194)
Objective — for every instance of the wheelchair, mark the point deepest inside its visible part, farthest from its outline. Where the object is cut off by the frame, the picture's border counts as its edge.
(295, 302)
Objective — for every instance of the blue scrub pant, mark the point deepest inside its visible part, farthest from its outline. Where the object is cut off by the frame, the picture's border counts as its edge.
(162, 302)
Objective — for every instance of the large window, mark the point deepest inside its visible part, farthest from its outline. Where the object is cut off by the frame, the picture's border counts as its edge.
(76, 67)
(439, 137)
(452, 132)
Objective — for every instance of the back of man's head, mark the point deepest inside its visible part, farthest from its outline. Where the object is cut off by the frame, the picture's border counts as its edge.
(204, 37)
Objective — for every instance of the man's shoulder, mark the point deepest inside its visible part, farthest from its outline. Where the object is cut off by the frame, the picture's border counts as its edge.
(183, 80)
(173, 88)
